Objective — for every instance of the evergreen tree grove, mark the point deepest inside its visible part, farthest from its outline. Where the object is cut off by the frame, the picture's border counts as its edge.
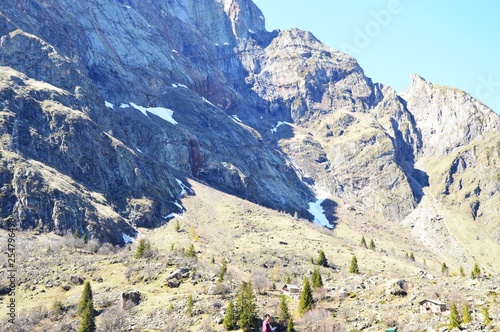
(306, 298)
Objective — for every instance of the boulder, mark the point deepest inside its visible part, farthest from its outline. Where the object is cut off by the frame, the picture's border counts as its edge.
(130, 299)
(396, 287)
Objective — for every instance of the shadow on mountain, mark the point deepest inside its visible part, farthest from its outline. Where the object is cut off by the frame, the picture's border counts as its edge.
(330, 207)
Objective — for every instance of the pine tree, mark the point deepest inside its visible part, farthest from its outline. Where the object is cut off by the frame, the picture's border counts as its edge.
(290, 327)
(454, 317)
(88, 319)
(177, 226)
(322, 261)
(191, 252)
(223, 270)
(141, 247)
(189, 309)
(306, 298)
(229, 318)
(372, 245)
(462, 273)
(283, 311)
(246, 306)
(486, 316)
(476, 272)
(467, 314)
(363, 242)
(444, 269)
(86, 298)
(316, 279)
(412, 257)
(354, 266)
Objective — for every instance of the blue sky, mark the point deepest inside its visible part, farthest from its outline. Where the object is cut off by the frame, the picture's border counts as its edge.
(454, 43)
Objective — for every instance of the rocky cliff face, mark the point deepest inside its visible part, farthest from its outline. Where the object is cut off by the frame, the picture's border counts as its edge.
(116, 98)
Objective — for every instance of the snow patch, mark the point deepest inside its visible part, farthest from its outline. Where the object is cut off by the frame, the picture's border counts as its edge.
(236, 118)
(164, 113)
(251, 31)
(317, 210)
(178, 85)
(280, 123)
(174, 51)
(138, 150)
(226, 43)
(185, 189)
(123, 105)
(108, 104)
(127, 239)
(207, 101)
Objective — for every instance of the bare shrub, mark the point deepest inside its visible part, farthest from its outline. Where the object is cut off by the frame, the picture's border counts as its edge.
(206, 325)
(320, 319)
(106, 249)
(319, 294)
(112, 320)
(260, 280)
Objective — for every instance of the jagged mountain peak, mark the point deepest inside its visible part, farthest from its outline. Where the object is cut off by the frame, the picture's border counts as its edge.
(448, 118)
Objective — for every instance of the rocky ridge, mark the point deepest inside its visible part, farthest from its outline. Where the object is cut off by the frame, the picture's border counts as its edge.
(126, 99)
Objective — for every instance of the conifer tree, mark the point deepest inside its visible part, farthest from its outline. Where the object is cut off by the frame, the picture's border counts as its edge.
(229, 318)
(141, 248)
(283, 311)
(88, 319)
(290, 327)
(223, 270)
(189, 309)
(462, 273)
(85, 298)
(476, 272)
(322, 261)
(306, 298)
(191, 252)
(372, 245)
(454, 317)
(363, 242)
(316, 279)
(444, 269)
(486, 316)
(412, 257)
(246, 306)
(354, 266)
(467, 314)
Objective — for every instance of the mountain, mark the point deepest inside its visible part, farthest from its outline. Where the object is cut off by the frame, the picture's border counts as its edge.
(108, 109)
